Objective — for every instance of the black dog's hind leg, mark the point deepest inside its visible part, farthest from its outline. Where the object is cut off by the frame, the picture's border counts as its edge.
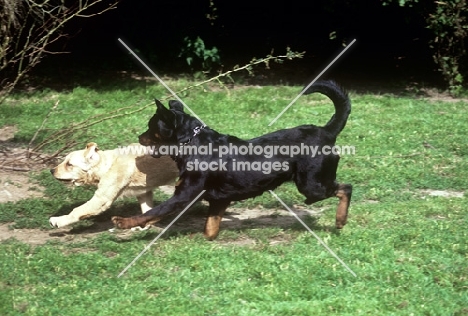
(215, 215)
(344, 193)
(319, 192)
(320, 185)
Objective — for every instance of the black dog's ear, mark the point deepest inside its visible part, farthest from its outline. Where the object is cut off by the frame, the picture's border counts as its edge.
(176, 105)
(166, 114)
(160, 106)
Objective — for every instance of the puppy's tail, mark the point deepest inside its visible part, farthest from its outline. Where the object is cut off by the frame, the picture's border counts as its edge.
(340, 100)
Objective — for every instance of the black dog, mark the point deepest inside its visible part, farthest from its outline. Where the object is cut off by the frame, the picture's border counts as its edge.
(239, 175)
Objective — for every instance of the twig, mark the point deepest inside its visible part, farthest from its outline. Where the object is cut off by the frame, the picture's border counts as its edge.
(289, 55)
(14, 168)
(42, 125)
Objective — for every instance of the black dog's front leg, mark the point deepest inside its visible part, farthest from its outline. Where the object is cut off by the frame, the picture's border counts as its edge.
(186, 191)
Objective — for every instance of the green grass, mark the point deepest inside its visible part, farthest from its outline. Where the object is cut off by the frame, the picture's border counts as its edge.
(409, 250)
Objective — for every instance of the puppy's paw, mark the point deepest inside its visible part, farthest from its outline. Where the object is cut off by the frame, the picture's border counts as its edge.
(60, 221)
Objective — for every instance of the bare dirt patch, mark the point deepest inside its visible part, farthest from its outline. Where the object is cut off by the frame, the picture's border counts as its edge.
(7, 132)
(442, 193)
(18, 157)
(14, 182)
(15, 186)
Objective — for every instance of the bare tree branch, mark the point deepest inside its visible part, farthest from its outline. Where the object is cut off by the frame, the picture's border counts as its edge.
(28, 27)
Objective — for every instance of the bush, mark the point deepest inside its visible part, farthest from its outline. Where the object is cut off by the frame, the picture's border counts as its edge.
(449, 24)
(197, 55)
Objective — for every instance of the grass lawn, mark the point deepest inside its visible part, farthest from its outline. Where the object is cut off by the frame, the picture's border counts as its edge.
(407, 247)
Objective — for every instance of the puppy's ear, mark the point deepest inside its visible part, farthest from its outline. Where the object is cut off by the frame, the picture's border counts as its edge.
(176, 105)
(91, 152)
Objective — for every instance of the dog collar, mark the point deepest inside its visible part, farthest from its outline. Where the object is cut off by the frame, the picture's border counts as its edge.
(197, 130)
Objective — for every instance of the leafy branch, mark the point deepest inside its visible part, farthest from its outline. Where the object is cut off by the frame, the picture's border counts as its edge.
(248, 67)
(69, 134)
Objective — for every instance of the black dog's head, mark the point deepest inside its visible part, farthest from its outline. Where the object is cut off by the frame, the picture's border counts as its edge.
(169, 126)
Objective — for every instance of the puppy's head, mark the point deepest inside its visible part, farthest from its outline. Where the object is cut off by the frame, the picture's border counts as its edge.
(169, 126)
(77, 166)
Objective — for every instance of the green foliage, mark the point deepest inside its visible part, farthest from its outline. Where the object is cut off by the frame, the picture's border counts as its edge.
(401, 3)
(448, 20)
(197, 55)
(450, 26)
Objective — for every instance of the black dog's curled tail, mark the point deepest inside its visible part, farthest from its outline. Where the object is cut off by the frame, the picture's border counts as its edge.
(340, 100)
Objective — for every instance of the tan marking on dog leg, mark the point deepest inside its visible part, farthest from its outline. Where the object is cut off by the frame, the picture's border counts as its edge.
(212, 227)
(344, 194)
(215, 215)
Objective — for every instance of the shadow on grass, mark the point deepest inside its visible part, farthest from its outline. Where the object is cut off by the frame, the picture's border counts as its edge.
(237, 220)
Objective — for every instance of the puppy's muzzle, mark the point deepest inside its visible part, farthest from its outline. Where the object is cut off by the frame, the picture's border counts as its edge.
(53, 170)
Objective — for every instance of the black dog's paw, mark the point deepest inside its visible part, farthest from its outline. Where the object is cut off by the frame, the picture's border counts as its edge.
(122, 222)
